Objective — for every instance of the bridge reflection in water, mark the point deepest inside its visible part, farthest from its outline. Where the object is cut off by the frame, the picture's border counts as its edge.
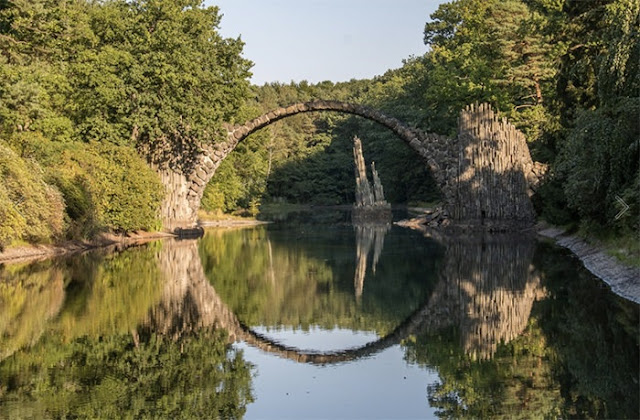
(574, 355)
(486, 288)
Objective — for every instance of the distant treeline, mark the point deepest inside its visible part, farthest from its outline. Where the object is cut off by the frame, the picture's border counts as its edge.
(87, 88)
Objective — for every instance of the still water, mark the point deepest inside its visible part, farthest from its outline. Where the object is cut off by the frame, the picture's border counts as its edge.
(312, 317)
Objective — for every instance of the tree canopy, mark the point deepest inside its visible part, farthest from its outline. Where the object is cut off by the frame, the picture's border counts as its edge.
(89, 91)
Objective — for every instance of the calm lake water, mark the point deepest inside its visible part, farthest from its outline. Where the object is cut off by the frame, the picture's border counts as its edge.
(312, 317)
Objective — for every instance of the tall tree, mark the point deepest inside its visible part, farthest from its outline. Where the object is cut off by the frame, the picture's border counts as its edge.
(159, 71)
(489, 51)
(599, 93)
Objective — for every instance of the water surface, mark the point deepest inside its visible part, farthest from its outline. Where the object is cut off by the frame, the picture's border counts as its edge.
(312, 317)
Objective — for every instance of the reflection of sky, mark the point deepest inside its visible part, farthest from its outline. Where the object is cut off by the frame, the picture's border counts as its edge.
(318, 339)
(381, 386)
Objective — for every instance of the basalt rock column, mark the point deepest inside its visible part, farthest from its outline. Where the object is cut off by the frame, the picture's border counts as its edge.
(378, 192)
(177, 158)
(176, 210)
(495, 172)
(370, 205)
(364, 192)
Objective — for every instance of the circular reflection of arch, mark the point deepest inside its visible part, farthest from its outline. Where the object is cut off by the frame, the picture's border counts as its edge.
(190, 302)
(413, 324)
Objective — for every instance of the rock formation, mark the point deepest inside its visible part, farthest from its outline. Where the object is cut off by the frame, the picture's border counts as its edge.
(370, 204)
(364, 192)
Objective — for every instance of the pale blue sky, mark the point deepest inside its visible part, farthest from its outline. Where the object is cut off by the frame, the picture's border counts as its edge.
(318, 40)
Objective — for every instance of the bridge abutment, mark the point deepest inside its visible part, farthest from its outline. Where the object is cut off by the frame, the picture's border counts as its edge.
(179, 207)
(492, 185)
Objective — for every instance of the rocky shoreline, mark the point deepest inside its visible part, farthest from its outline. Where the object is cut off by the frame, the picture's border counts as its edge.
(624, 280)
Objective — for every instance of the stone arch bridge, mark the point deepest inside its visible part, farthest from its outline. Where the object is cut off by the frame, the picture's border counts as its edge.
(486, 173)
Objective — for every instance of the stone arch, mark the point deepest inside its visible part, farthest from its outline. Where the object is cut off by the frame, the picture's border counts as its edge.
(485, 173)
(432, 148)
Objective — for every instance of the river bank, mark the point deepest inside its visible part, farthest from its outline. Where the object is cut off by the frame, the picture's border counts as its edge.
(32, 252)
(623, 279)
(43, 251)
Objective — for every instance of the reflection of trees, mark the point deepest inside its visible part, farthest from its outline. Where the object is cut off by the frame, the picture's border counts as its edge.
(503, 357)
(109, 294)
(239, 264)
(87, 364)
(595, 345)
(88, 295)
(30, 295)
(197, 377)
(275, 280)
(367, 235)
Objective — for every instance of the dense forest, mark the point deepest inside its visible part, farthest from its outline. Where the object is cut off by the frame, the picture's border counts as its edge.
(91, 90)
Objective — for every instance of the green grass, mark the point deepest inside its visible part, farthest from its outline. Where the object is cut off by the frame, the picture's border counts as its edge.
(623, 246)
(220, 215)
(625, 249)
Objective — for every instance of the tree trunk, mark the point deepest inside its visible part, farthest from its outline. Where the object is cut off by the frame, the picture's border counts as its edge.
(538, 91)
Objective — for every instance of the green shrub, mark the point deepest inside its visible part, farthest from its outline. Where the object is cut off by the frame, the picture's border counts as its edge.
(30, 209)
(225, 190)
(107, 187)
(600, 162)
(127, 193)
(12, 224)
(97, 187)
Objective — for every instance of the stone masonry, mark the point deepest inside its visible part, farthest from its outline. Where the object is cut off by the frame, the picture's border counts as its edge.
(486, 174)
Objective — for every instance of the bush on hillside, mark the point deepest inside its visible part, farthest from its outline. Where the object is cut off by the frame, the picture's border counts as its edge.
(30, 209)
(107, 187)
